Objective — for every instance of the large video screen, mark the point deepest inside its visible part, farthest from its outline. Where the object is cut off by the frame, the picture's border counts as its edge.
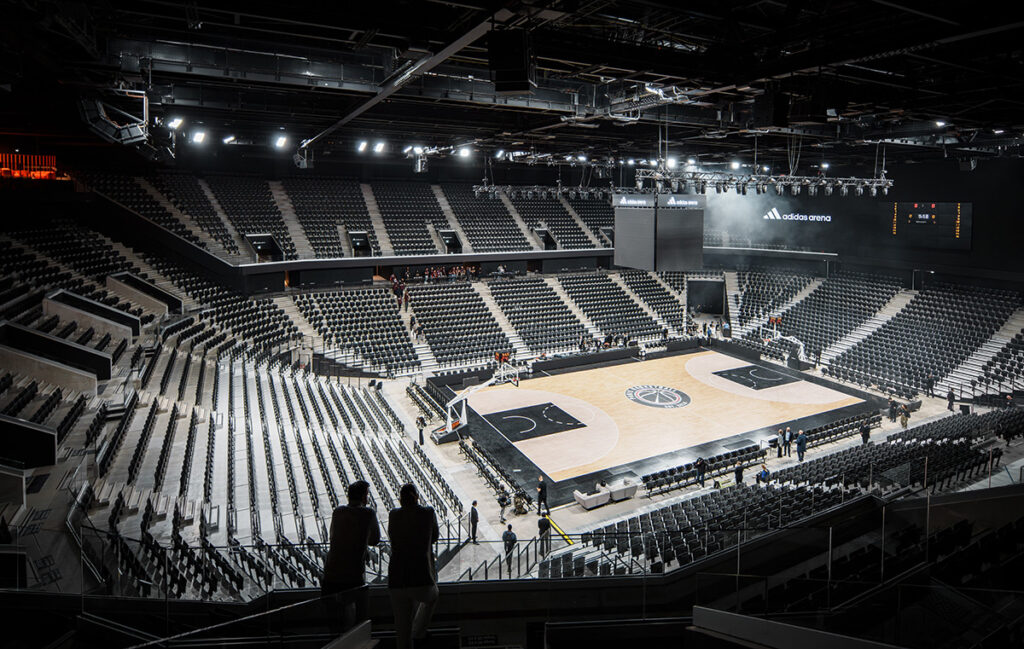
(679, 240)
(926, 224)
(634, 238)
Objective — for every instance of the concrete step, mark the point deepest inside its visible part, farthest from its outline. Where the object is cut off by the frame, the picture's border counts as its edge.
(453, 221)
(759, 322)
(869, 326)
(971, 368)
(287, 304)
(732, 296)
(617, 279)
(377, 221)
(576, 217)
(556, 286)
(243, 244)
(291, 221)
(522, 351)
(212, 244)
(525, 229)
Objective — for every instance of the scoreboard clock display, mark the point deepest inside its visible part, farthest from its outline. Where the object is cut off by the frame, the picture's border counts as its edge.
(928, 224)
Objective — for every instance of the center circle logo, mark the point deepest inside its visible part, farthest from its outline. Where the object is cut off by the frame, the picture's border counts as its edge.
(657, 396)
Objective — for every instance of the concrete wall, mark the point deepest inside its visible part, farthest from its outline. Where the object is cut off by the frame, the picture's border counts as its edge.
(128, 292)
(41, 369)
(86, 320)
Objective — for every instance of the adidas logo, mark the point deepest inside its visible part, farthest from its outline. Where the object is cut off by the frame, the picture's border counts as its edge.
(773, 214)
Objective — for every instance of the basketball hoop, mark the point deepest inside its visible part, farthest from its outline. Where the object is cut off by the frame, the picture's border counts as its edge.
(507, 373)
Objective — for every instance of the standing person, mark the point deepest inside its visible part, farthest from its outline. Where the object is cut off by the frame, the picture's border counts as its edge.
(354, 529)
(406, 300)
(420, 425)
(542, 495)
(701, 466)
(789, 441)
(474, 519)
(929, 385)
(780, 442)
(503, 502)
(412, 580)
(544, 534)
(412, 323)
(801, 445)
(904, 416)
(892, 409)
(950, 398)
(1009, 401)
(509, 537)
(738, 473)
(865, 432)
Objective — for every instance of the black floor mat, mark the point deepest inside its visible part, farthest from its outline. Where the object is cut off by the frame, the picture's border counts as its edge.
(756, 377)
(533, 421)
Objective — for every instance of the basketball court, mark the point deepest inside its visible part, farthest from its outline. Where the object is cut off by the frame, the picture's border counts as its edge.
(577, 423)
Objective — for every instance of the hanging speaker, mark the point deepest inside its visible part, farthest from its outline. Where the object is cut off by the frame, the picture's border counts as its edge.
(511, 62)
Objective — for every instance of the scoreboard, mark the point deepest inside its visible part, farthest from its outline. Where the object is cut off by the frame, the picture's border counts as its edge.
(929, 224)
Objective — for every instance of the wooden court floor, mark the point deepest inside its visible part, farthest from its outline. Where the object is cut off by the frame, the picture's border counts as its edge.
(619, 430)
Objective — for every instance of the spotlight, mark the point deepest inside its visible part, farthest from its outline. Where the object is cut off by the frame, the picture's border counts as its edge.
(464, 152)
(229, 139)
(500, 153)
(652, 162)
(378, 147)
(581, 158)
(631, 162)
(824, 165)
(766, 168)
(940, 123)
(998, 131)
(418, 150)
(794, 190)
(702, 187)
(408, 148)
(812, 190)
(639, 183)
(779, 189)
(198, 137)
(844, 190)
(874, 190)
(175, 123)
(671, 163)
(280, 141)
(718, 188)
(734, 165)
(828, 190)
(859, 190)
(885, 191)
(691, 161)
(361, 147)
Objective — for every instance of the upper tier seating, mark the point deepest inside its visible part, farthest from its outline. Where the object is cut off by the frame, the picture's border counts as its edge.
(933, 334)
(609, 307)
(834, 309)
(539, 316)
(406, 208)
(125, 190)
(322, 205)
(457, 324)
(249, 204)
(596, 213)
(363, 321)
(185, 193)
(1005, 369)
(258, 322)
(761, 292)
(660, 300)
(486, 221)
(551, 213)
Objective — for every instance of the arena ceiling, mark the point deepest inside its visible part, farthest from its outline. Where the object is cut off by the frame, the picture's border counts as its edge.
(823, 80)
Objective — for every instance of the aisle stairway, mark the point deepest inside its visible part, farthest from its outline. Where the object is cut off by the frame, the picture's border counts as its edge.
(579, 222)
(869, 326)
(211, 244)
(592, 328)
(243, 244)
(453, 221)
(971, 368)
(291, 221)
(739, 332)
(377, 221)
(522, 351)
(643, 305)
(525, 229)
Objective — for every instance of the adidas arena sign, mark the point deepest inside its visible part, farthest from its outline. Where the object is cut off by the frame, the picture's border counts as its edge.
(774, 215)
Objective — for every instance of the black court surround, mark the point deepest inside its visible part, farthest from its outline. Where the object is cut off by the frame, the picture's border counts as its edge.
(756, 377)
